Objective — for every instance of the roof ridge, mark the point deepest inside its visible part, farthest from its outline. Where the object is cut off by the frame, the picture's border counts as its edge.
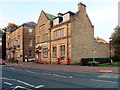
(49, 16)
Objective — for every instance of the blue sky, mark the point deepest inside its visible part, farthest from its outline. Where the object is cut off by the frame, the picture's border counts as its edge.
(102, 13)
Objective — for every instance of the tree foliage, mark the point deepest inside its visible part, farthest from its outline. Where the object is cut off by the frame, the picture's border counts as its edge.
(10, 26)
(116, 36)
(116, 41)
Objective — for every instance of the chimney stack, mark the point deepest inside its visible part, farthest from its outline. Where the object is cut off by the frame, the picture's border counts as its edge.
(60, 14)
(81, 7)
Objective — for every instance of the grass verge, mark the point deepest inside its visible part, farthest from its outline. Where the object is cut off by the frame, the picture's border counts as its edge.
(114, 64)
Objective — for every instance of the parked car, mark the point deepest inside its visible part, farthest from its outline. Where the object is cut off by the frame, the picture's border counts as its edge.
(31, 59)
(2, 62)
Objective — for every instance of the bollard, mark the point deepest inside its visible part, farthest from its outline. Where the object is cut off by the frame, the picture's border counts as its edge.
(58, 60)
(68, 61)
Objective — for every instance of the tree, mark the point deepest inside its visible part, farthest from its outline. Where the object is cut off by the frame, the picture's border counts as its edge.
(116, 42)
(9, 27)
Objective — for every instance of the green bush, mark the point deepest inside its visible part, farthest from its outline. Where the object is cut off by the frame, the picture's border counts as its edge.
(85, 61)
(116, 58)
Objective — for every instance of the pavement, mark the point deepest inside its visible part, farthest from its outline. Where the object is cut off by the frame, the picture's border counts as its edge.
(70, 68)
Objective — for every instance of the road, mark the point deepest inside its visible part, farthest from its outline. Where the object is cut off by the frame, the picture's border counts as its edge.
(23, 77)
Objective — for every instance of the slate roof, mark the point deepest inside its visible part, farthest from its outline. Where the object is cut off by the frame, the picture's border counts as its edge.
(29, 24)
(100, 40)
(10, 29)
(50, 16)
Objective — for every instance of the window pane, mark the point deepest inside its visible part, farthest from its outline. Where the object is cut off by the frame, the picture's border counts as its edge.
(30, 53)
(45, 52)
(30, 41)
(62, 51)
(54, 52)
(30, 30)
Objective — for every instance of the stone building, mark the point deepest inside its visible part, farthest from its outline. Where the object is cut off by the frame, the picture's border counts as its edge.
(67, 38)
(20, 42)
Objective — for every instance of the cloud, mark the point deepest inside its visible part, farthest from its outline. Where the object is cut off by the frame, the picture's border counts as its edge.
(104, 14)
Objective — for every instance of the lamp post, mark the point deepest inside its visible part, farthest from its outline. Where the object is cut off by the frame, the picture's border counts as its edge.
(110, 50)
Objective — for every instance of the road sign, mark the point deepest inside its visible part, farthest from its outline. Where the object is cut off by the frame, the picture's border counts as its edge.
(110, 51)
(93, 49)
(42, 44)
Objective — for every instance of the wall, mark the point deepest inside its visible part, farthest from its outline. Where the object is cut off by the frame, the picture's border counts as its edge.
(102, 50)
(82, 41)
(42, 27)
(65, 40)
(11, 37)
(26, 42)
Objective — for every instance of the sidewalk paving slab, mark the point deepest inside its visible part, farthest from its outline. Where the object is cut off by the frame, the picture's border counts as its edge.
(70, 68)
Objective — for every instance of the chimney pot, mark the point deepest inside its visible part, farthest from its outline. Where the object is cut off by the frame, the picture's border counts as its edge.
(81, 6)
(60, 14)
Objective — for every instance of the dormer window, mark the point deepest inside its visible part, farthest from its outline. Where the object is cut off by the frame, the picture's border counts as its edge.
(67, 16)
(57, 20)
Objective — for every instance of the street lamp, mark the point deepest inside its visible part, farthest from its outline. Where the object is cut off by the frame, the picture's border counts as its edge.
(110, 49)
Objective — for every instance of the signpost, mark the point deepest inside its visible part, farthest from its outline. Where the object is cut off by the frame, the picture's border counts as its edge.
(42, 44)
(93, 55)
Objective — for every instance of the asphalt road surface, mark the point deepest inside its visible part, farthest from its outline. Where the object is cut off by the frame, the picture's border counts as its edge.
(24, 78)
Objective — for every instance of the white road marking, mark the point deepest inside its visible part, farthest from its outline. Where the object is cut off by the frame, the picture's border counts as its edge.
(8, 79)
(45, 73)
(57, 75)
(8, 65)
(25, 83)
(12, 68)
(64, 76)
(49, 74)
(103, 80)
(14, 88)
(32, 72)
(108, 76)
(19, 81)
(39, 86)
(7, 83)
(70, 76)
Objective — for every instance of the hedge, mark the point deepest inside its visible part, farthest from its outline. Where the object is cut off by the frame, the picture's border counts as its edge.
(85, 61)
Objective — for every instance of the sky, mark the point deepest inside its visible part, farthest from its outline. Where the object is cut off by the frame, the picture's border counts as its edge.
(102, 13)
